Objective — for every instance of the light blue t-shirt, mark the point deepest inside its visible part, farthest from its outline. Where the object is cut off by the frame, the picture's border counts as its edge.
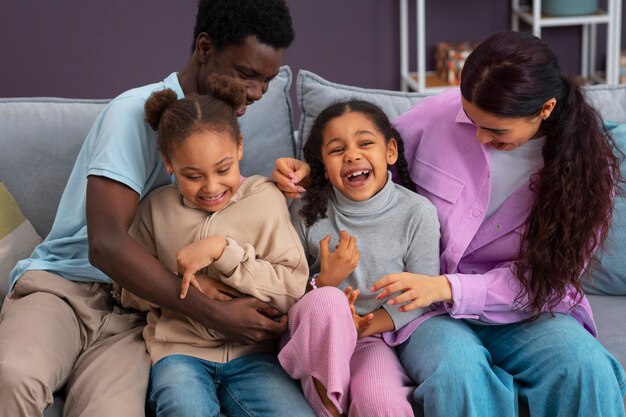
(120, 146)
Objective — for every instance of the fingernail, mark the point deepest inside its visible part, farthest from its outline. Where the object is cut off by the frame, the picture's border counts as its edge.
(390, 302)
(372, 289)
(301, 189)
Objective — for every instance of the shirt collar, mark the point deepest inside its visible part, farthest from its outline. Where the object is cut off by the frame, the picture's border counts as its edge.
(172, 82)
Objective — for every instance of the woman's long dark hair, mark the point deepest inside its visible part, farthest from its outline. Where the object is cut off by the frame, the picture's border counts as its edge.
(319, 191)
(512, 74)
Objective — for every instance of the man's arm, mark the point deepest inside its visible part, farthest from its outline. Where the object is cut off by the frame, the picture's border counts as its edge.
(111, 209)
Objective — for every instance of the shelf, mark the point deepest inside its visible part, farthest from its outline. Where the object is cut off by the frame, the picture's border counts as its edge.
(611, 17)
(432, 84)
(525, 13)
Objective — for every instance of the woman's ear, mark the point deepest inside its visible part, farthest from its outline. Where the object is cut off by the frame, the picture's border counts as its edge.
(547, 108)
(240, 148)
(168, 164)
(392, 151)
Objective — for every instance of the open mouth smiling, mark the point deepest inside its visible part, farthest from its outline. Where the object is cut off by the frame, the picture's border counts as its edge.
(356, 177)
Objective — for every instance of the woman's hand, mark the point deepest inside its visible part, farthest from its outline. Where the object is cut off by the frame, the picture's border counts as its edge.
(196, 256)
(417, 290)
(216, 289)
(336, 266)
(291, 176)
(362, 323)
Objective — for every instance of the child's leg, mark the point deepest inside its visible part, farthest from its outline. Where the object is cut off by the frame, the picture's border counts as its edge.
(256, 385)
(379, 385)
(323, 337)
(182, 385)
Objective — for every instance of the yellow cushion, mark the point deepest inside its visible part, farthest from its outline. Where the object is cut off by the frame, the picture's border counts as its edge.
(18, 238)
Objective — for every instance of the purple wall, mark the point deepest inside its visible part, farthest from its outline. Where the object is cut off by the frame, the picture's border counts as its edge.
(73, 48)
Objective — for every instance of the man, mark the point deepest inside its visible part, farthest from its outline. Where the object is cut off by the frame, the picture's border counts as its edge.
(60, 325)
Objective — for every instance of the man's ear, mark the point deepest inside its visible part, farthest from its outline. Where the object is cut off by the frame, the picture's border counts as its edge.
(204, 47)
(392, 151)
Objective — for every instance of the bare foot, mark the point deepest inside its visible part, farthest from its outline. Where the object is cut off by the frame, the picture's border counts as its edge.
(328, 404)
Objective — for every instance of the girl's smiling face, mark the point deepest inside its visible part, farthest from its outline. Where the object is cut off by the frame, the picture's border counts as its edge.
(356, 155)
(505, 133)
(206, 166)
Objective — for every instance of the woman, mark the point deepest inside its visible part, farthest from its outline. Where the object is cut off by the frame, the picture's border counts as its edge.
(522, 173)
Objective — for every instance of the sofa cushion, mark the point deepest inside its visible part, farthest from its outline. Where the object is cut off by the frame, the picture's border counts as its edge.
(268, 128)
(18, 238)
(315, 94)
(608, 271)
(610, 100)
(44, 136)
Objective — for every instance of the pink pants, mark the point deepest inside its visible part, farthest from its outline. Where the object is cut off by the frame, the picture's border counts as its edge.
(363, 377)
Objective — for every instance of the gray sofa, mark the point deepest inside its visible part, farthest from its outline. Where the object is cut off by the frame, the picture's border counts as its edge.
(40, 138)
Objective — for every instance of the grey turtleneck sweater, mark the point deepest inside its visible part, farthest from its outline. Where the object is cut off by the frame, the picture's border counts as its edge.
(396, 230)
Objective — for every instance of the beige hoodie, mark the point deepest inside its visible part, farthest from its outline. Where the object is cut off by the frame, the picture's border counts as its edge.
(264, 258)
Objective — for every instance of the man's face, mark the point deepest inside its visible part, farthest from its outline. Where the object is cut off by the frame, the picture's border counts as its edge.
(252, 64)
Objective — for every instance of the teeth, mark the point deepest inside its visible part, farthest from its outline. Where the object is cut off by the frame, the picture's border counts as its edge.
(212, 198)
(356, 173)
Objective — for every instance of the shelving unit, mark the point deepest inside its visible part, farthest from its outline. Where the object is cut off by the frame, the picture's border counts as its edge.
(611, 17)
(427, 82)
(420, 80)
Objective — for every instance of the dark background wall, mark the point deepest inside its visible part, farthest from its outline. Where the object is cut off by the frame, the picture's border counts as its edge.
(84, 49)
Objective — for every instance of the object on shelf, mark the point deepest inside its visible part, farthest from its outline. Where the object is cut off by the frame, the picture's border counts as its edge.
(569, 7)
(450, 58)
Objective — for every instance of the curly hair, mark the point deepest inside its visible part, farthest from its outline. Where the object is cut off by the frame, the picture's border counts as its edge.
(228, 22)
(319, 191)
(512, 74)
(177, 119)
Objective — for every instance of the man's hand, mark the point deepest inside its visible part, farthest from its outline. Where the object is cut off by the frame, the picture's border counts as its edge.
(291, 176)
(247, 320)
(336, 266)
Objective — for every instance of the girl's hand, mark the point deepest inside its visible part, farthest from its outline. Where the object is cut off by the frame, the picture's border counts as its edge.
(362, 323)
(417, 290)
(291, 176)
(336, 266)
(216, 289)
(196, 256)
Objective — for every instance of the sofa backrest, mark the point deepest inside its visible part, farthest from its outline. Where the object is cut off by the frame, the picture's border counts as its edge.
(41, 137)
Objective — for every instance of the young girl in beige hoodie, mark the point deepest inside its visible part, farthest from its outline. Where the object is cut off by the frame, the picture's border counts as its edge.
(229, 236)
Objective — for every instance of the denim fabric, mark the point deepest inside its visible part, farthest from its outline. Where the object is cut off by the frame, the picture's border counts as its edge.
(552, 364)
(253, 385)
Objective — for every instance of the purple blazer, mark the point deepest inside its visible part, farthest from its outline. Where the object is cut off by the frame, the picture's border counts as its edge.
(452, 170)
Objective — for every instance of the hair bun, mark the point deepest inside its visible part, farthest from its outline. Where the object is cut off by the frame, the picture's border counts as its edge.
(226, 89)
(156, 105)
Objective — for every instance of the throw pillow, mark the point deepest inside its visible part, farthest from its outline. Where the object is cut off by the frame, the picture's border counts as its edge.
(608, 271)
(315, 94)
(18, 238)
(267, 128)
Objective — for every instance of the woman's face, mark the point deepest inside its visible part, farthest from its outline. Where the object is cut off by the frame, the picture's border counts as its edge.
(206, 166)
(505, 133)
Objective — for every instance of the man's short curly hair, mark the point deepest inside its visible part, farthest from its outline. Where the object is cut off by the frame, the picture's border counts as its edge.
(228, 22)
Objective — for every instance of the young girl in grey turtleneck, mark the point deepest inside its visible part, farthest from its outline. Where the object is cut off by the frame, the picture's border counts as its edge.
(376, 227)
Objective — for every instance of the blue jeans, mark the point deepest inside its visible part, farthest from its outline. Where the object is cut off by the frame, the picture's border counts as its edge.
(552, 364)
(253, 385)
